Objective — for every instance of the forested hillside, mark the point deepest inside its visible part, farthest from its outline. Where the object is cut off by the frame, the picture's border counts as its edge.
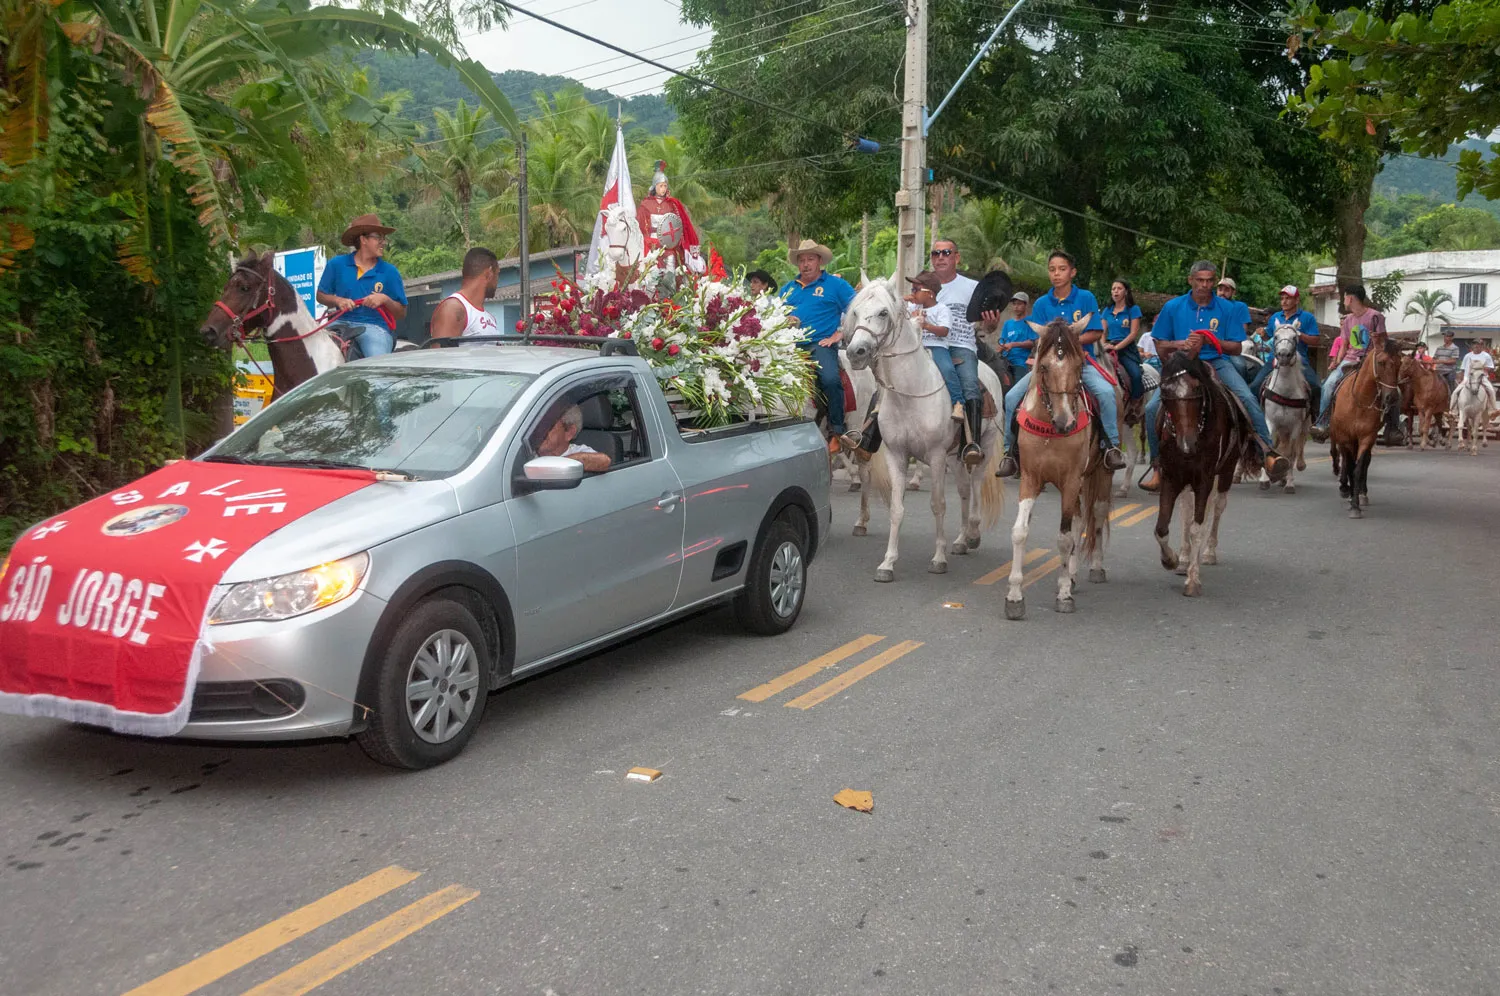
(431, 87)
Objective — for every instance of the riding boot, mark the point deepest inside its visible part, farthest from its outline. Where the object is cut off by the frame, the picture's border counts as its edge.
(1113, 459)
(1275, 464)
(972, 455)
(1010, 464)
(866, 440)
(1151, 483)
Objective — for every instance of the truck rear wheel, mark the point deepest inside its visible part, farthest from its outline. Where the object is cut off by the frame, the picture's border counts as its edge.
(776, 581)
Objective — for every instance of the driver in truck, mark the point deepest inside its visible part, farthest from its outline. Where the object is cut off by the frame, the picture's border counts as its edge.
(559, 442)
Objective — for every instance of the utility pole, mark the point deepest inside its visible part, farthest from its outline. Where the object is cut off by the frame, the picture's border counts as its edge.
(911, 242)
(864, 243)
(524, 213)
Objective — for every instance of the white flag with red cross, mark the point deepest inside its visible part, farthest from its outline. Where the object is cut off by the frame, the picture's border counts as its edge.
(616, 191)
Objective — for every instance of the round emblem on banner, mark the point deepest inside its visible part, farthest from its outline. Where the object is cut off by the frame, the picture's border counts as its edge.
(143, 520)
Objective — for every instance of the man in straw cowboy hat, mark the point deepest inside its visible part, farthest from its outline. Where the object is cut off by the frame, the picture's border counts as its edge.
(818, 301)
(364, 286)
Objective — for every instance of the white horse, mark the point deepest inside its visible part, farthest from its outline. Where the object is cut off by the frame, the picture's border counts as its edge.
(1290, 417)
(1472, 404)
(623, 245)
(916, 421)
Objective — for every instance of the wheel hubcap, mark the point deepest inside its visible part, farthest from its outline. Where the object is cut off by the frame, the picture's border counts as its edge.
(786, 579)
(442, 685)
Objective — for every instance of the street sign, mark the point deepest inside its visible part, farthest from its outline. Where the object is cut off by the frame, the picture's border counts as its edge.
(303, 268)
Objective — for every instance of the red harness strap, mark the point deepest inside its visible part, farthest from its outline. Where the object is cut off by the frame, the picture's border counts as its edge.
(1108, 374)
(1034, 426)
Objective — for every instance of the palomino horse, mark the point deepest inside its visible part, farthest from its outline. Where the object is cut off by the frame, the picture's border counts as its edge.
(1358, 414)
(1286, 398)
(1205, 435)
(1473, 403)
(1059, 445)
(915, 421)
(1424, 399)
(257, 297)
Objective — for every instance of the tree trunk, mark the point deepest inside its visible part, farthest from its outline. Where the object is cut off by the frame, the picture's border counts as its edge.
(1349, 250)
(1075, 232)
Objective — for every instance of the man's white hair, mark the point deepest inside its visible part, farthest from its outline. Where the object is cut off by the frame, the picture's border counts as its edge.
(572, 417)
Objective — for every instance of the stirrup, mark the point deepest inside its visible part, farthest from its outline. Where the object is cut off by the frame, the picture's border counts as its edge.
(971, 455)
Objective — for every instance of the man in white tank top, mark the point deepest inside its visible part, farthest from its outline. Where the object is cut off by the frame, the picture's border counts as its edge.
(463, 314)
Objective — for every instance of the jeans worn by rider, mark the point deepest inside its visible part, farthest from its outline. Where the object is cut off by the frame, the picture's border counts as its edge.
(820, 306)
(1071, 308)
(940, 316)
(1117, 329)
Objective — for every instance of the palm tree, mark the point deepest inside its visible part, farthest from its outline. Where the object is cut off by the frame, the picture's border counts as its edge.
(985, 231)
(1425, 304)
(459, 165)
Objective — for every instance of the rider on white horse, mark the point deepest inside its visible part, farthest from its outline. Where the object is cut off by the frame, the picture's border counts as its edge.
(1306, 327)
(1476, 356)
(1070, 304)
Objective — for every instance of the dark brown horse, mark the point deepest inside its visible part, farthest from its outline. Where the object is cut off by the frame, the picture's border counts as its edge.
(257, 298)
(1204, 436)
(1358, 413)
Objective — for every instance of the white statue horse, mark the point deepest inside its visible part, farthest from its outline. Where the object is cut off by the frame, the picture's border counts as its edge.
(623, 244)
(1289, 423)
(1473, 404)
(916, 421)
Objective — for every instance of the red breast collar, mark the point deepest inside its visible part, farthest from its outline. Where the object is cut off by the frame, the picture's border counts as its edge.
(1034, 426)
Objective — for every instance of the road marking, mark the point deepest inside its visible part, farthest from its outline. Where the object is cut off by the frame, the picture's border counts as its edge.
(833, 686)
(1139, 517)
(240, 952)
(800, 674)
(308, 975)
(1003, 570)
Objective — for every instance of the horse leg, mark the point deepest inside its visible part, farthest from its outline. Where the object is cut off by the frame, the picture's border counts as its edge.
(861, 524)
(1067, 550)
(1221, 501)
(965, 482)
(1164, 508)
(1363, 474)
(1184, 556)
(939, 468)
(895, 465)
(1099, 516)
(914, 481)
(1015, 601)
(1196, 533)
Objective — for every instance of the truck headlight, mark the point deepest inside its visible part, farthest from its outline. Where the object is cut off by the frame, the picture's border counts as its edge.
(292, 594)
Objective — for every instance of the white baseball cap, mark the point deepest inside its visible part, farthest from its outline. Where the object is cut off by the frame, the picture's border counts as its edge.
(1229, 282)
(1021, 296)
(1292, 290)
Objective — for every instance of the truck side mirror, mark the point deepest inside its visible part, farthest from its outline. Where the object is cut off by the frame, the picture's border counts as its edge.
(549, 473)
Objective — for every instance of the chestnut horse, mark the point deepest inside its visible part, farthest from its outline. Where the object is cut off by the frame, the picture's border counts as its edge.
(1424, 399)
(257, 297)
(1059, 445)
(1205, 435)
(1358, 413)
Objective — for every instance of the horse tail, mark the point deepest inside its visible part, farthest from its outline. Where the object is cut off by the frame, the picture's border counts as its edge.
(1098, 498)
(991, 490)
(880, 477)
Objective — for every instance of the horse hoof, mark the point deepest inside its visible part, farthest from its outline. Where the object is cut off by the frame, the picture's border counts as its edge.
(1343, 492)
(1210, 558)
(1289, 489)
(972, 542)
(1065, 605)
(885, 575)
(1193, 589)
(959, 548)
(1182, 570)
(1301, 465)
(854, 488)
(1015, 610)
(1097, 575)
(913, 486)
(1169, 563)
(1355, 513)
(1364, 500)
(1265, 485)
(938, 567)
(861, 531)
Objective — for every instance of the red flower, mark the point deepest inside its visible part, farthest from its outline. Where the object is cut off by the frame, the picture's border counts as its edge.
(658, 343)
(755, 366)
(520, 325)
(624, 335)
(567, 304)
(673, 349)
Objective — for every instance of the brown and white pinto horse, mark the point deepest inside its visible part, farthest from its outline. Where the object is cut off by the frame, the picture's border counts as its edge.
(1058, 444)
(1205, 435)
(1358, 414)
(257, 297)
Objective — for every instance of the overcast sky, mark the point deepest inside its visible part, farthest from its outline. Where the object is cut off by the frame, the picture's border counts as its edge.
(637, 25)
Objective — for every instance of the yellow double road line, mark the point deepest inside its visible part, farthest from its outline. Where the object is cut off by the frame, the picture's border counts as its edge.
(1052, 564)
(335, 960)
(835, 685)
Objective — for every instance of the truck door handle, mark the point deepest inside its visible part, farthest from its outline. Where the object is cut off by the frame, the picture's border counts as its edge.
(668, 501)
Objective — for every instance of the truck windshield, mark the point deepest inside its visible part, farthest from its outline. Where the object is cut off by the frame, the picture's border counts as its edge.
(416, 421)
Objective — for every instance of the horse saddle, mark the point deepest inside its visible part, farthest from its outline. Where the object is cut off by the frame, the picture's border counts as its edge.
(850, 404)
(347, 334)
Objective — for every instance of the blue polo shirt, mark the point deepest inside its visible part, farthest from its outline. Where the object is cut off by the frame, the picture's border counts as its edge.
(1016, 330)
(820, 305)
(1306, 325)
(341, 278)
(1182, 316)
(1078, 303)
(1117, 326)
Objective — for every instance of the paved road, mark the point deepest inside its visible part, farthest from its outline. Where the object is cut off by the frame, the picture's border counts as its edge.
(1289, 786)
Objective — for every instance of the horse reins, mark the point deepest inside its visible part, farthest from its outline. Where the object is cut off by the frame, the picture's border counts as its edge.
(237, 322)
(875, 371)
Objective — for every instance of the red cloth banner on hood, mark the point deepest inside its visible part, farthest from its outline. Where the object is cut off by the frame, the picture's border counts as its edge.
(102, 607)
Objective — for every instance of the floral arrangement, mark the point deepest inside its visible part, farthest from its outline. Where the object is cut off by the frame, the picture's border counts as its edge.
(728, 354)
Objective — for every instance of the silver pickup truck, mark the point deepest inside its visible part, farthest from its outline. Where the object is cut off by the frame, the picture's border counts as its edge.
(481, 562)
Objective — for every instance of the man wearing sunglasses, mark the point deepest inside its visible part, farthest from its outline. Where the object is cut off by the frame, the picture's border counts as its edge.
(962, 342)
(364, 286)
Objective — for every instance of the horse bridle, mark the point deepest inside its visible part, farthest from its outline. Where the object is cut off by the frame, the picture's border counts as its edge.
(237, 322)
(1199, 396)
(1047, 393)
(862, 327)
